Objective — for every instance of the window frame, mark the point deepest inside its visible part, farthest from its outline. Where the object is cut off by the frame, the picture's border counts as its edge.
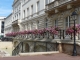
(38, 6)
(56, 23)
(67, 22)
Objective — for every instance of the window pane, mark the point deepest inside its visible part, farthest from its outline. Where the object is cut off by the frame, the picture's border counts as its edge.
(32, 10)
(38, 6)
(46, 1)
(2, 27)
(27, 11)
(67, 21)
(56, 23)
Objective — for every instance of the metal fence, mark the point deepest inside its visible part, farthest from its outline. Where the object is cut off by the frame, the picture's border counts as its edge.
(46, 46)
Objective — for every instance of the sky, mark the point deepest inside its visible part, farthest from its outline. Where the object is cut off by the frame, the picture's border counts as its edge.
(5, 7)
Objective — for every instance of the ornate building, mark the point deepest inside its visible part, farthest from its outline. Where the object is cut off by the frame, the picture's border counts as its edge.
(33, 21)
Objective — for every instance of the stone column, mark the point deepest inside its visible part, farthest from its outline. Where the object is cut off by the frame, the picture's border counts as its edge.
(60, 47)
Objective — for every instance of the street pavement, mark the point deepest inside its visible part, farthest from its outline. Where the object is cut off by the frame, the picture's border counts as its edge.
(58, 56)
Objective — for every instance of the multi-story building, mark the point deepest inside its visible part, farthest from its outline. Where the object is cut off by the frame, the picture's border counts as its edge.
(33, 21)
(16, 15)
(2, 27)
(26, 10)
(8, 24)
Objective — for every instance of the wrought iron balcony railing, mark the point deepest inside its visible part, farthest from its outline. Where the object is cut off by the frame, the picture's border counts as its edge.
(49, 46)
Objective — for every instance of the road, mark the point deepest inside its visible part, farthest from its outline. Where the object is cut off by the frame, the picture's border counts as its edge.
(58, 56)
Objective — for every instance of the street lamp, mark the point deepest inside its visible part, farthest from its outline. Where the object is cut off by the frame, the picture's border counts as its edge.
(74, 14)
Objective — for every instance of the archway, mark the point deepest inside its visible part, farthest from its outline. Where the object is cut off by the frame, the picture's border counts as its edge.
(26, 47)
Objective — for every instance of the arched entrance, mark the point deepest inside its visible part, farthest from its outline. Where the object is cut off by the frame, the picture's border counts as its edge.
(26, 47)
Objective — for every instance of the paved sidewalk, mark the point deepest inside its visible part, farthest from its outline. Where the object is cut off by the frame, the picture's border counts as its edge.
(58, 56)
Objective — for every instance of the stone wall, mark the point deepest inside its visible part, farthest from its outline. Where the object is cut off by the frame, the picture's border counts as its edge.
(68, 49)
(7, 47)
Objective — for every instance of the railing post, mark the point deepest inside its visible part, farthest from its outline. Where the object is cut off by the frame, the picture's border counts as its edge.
(43, 35)
(39, 35)
(71, 36)
(22, 47)
(56, 47)
(48, 34)
(78, 36)
(32, 35)
(27, 36)
(35, 35)
(60, 34)
(53, 36)
(34, 46)
(63, 34)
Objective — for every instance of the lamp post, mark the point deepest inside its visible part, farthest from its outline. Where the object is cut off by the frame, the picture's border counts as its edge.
(74, 14)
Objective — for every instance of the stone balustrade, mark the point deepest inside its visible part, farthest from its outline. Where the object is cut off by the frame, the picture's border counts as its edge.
(61, 35)
(56, 3)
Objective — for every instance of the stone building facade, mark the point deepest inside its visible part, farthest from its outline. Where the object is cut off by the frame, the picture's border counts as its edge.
(30, 15)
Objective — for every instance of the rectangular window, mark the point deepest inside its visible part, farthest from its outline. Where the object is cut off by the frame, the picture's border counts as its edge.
(24, 1)
(37, 24)
(27, 11)
(31, 9)
(2, 27)
(19, 15)
(38, 6)
(27, 26)
(46, 23)
(15, 17)
(24, 14)
(67, 22)
(46, 1)
(56, 23)
(31, 25)
(50, 1)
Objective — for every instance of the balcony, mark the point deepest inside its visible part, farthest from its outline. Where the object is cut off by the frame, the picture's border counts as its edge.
(56, 3)
(34, 15)
(15, 22)
(45, 34)
(61, 5)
